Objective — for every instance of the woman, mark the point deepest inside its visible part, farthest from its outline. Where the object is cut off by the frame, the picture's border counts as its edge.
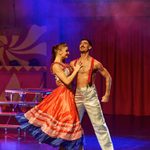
(55, 120)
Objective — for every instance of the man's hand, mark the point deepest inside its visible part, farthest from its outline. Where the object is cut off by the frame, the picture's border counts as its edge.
(105, 98)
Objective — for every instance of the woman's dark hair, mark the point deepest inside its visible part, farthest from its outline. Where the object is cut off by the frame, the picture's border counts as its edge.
(55, 49)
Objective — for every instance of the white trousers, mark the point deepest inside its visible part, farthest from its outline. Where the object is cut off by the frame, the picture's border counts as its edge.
(86, 99)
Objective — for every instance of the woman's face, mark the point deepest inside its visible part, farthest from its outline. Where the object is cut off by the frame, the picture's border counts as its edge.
(64, 52)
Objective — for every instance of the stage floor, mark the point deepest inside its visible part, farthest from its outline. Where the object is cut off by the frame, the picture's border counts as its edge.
(127, 132)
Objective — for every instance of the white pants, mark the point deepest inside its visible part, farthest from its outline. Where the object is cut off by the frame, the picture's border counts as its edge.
(86, 99)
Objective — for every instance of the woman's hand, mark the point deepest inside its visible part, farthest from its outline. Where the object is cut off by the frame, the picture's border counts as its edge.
(78, 66)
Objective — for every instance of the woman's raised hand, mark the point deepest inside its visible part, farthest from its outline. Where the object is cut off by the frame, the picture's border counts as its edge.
(78, 66)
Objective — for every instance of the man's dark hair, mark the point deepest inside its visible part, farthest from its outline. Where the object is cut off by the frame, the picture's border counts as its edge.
(89, 41)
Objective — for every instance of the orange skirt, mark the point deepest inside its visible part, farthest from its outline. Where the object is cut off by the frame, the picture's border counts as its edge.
(57, 115)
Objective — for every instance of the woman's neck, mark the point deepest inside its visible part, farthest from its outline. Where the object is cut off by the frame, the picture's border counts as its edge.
(58, 59)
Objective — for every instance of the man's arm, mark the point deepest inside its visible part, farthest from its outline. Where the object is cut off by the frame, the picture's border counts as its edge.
(108, 81)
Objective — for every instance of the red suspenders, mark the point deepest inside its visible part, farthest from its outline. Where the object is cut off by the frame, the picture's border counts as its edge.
(90, 72)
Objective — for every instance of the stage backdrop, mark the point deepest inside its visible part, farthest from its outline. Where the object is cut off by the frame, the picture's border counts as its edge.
(119, 31)
(124, 51)
(23, 59)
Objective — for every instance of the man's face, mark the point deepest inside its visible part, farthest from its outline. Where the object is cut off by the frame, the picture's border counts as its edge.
(84, 46)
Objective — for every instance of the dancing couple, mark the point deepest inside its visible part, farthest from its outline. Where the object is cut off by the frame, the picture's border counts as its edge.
(56, 120)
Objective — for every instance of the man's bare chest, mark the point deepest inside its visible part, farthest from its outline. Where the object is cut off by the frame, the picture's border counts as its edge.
(85, 68)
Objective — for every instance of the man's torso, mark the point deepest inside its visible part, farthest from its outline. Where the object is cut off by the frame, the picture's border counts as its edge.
(84, 73)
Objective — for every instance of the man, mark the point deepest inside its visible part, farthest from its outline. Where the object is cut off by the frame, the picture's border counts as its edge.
(86, 95)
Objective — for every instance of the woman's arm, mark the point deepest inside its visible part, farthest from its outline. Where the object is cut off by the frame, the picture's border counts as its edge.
(61, 75)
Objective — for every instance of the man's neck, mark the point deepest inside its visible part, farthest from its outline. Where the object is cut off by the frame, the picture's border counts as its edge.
(84, 56)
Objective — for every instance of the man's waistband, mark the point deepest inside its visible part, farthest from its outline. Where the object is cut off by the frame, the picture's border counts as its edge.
(85, 88)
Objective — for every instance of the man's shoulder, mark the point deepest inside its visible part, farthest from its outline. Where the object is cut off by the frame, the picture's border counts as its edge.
(72, 62)
(96, 61)
(97, 64)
